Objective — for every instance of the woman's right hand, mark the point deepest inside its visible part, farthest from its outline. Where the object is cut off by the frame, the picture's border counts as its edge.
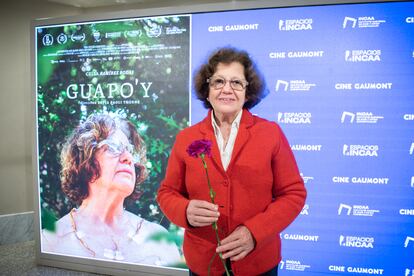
(201, 213)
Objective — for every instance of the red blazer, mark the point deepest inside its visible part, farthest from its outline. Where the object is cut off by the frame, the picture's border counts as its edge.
(261, 189)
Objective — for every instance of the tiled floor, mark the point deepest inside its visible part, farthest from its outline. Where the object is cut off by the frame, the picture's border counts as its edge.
(19, 259)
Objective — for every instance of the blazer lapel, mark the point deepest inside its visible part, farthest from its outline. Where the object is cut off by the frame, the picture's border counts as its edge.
(243, 136)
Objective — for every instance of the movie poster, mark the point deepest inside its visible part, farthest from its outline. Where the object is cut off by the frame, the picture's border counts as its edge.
(129, 78)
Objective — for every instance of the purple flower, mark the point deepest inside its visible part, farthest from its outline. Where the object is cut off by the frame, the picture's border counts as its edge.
(198, 147)
(202, 148)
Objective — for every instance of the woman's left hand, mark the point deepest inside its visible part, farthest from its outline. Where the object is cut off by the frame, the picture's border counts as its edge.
(237, 245)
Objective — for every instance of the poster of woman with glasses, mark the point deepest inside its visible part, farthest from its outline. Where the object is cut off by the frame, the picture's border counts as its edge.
(110, 100)
(104, 162)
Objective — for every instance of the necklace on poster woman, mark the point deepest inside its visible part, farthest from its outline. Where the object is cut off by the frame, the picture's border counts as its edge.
(112, 254)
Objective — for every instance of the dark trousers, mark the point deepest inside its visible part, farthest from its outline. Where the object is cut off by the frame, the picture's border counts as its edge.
(272, 272)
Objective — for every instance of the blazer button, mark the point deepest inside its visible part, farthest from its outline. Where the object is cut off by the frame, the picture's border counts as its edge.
(225, 183)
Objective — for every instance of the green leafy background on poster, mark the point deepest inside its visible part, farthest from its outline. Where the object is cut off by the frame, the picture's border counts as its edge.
(88, 50)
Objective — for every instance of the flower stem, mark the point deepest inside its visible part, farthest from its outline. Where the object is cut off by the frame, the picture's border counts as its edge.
(214, 225)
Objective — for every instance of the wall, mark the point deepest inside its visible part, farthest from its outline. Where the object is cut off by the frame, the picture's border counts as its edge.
(16, 173)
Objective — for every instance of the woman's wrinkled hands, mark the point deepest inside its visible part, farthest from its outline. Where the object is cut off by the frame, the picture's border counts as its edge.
(237, 245)
(201, 213)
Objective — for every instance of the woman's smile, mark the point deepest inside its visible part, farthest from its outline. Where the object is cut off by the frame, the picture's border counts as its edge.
(226, 100)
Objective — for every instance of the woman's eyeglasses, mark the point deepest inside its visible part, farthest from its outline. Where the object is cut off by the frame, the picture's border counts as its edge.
(219, 82)
(116, 148)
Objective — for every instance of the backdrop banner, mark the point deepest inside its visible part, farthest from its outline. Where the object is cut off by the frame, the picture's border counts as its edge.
(340, 80)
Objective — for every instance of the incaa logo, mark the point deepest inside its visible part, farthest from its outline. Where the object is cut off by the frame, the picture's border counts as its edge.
(360, 150)
(294, 117)
(295, 24)
(362, 55)
(293, 265)
(360, 117)
(358, 242)
(409, 20)
(363, 22)
(357, 210)
(293, 85)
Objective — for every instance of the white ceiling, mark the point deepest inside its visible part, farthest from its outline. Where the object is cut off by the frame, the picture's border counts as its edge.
(97, 3)
(85, 4)
(104, 3)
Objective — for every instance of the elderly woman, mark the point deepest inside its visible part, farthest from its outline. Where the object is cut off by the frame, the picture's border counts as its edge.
(102, 164)
(257, 185)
